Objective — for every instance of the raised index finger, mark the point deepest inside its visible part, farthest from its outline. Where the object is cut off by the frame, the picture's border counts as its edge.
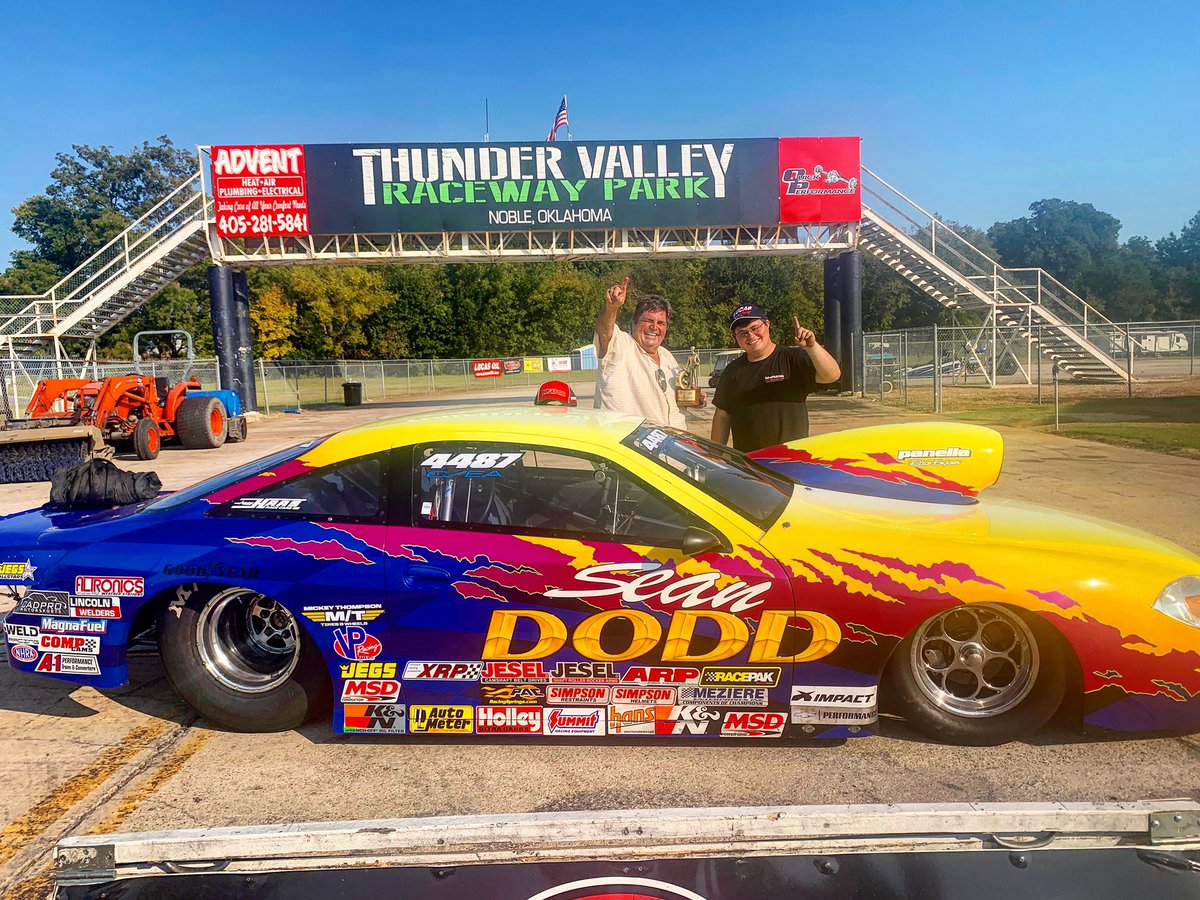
(624, 284)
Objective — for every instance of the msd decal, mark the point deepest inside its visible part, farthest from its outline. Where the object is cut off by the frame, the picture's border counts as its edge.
(418, 670)
(353, 642)
(94, 607)
(110, 586)
(70, 643)
(508, 720)
(62, 664)
(753, 724)
(574, 722)
(370, 690)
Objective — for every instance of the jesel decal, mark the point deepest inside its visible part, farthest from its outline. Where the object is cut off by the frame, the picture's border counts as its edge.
(664, 586)
(646, 634)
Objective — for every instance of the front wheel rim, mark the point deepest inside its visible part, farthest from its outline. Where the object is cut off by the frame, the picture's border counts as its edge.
(975, 660)
(247, 642)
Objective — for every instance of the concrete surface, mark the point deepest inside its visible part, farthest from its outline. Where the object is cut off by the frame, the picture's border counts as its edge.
(75, 760)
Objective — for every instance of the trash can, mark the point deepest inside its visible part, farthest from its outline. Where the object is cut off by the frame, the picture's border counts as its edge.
(352, 393)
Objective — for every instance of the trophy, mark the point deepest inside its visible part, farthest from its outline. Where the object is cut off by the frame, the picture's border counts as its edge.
(686, 379)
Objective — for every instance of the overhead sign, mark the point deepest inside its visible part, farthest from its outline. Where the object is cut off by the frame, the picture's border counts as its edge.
(433, 188)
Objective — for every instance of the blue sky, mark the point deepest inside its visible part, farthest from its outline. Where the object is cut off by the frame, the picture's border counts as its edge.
(973, 110)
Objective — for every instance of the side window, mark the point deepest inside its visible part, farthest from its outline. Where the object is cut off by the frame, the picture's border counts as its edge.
(347, 490)
(527, 489)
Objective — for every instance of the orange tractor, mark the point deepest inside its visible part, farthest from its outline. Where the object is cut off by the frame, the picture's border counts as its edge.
(72, 419)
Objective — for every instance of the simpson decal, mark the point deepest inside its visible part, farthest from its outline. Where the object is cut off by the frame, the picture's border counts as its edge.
(637, 694)
(109, 586)
(579, 694)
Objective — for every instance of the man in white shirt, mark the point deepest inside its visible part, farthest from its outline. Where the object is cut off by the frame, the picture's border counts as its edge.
(636, 373)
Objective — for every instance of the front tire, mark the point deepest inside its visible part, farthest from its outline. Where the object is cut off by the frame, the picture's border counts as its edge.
(147, 439)
(241, 660)
(978, 675)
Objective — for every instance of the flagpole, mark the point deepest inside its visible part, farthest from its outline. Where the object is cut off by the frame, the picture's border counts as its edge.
(487, 121)
(568, 119)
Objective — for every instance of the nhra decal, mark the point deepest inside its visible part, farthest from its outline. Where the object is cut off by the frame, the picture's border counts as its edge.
(385, 718)
(582, 694)
(326, 551)
(354, 642)
(62, 664)
(44, 603)
(646, 633)
(635, 694)
(574, 721)
(109, 586)
(753, 724)
(70, 643)
(668, 587)
(760, 677)
(273, 504)
(599, 672)
(508, 720)
(511, 694)
(723, 696)
(441, 719)
(349, 614)
(369, 670)
(17, 571)
(22, 653)
(75, 626)
(416, 670)
(20, 634)
(514, 672)
(94, 607)
(660, 675)
(370, 690)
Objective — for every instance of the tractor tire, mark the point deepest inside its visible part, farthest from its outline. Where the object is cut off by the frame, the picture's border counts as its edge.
(147, 439)
(237, 430)
(201, 423)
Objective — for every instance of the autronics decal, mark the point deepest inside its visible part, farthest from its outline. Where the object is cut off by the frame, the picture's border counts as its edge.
(109, 586)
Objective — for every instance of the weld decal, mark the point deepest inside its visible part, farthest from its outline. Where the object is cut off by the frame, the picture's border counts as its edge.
(323, 550)
(1059, 599)
(938, 572)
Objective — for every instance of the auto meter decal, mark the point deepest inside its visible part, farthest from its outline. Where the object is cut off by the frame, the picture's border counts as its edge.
(353, 642)
(617, 888)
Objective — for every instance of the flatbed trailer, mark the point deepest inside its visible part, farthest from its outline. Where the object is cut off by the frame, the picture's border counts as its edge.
(977, 851)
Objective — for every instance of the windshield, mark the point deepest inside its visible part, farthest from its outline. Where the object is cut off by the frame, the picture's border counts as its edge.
(233, 476)
(718, 471)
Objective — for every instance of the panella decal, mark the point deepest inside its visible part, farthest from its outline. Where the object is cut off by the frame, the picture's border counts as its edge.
(109, 586)
(664, 587)
(22, 653)
(353, 642)
(574, 721)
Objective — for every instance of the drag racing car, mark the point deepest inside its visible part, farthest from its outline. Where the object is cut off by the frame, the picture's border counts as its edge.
(549, 571)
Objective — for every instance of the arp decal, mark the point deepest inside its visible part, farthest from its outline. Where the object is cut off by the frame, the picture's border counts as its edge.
(375, 718)
(766, 676)
(441, 719)
(646, 634)
(69, 643)
(17, 571)
(64, 664)
(508, 720)
(573, 721)
(578, 694)
(368, 670)
(660, 675)
(109, 586)
(349, 614)
(418, 670)
(753, 724)
(354, 642)
(22, 653)
(368, 690)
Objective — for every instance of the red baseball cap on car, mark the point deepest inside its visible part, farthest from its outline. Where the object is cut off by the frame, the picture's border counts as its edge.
(555, 393)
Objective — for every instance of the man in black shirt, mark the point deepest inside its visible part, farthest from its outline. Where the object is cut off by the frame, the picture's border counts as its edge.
(761, 395)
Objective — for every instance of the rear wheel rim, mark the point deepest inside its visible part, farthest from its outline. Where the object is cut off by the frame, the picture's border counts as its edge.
(975, 660)
(247, 642)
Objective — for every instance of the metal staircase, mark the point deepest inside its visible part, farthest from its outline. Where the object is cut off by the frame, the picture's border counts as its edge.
(951, 270)
(120, 277)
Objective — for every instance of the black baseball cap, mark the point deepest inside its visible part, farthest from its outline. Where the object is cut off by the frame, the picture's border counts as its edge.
(746, 313)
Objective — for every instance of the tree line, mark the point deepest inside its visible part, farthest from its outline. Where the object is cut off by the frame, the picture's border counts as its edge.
(503, 309)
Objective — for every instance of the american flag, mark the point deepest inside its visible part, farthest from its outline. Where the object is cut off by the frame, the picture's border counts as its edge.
(559, 121)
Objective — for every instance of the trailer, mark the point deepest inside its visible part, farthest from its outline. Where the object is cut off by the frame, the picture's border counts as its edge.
(967, 850)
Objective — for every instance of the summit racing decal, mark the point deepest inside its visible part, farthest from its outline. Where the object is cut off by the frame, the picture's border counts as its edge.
(574, 721)
(17, 571)
(354, 642)
(109, 586)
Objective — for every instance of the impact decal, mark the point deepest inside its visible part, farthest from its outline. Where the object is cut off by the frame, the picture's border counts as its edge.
(354, 642)
(416, 670)
(508, 720)
(370, 690)
(17, 571)
(837, 695)
(753, 724)
(109, 586)
(575, 721)
(347, 614)
(63, 664)
(441, 719)
(375, 718)
(834, 705)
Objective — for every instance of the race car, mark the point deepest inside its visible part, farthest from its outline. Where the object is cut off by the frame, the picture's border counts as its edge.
(549, 571)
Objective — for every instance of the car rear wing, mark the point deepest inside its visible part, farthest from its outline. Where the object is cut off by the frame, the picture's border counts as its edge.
(982, 851)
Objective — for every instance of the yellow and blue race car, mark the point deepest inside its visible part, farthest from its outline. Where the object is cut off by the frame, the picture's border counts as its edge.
(566, 573)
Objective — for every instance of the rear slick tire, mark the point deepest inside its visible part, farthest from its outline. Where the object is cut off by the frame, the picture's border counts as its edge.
(241, 660)
(978, 675)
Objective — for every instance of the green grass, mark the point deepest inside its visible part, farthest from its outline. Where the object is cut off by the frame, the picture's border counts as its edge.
(1163, 424)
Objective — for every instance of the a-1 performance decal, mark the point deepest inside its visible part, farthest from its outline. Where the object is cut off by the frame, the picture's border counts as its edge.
(68, 664)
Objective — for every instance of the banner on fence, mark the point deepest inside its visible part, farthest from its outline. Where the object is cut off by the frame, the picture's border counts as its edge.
(485, 368)
(432, 188)
(558, 363)
(534, 364)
